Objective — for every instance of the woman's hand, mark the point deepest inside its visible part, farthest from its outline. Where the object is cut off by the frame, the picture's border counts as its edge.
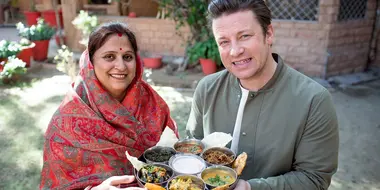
(114, 182)
(242, 185)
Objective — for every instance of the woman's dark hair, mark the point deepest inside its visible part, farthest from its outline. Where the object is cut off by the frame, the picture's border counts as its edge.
(99, 36)
(217, 8)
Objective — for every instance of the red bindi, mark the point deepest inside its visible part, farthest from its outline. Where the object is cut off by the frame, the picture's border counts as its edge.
(121, 49)
(119, 34)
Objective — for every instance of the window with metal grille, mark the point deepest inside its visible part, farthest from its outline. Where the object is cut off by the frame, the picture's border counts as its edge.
(306, 10)
(352, 9)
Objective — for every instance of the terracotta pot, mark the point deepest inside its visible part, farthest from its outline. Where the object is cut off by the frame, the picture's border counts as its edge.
(132, 15)
(31, 17)
(26, 54)
(40, 52)
(49, 16)
(152, 62)
(208, 66)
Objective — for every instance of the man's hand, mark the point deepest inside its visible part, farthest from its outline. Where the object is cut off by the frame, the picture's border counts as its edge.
(242, 185)
(114, 182)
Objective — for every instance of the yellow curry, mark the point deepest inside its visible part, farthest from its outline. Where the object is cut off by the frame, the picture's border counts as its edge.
(218, 178)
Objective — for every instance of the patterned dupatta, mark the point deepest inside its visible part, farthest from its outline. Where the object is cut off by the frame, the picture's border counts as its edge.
(88, 135)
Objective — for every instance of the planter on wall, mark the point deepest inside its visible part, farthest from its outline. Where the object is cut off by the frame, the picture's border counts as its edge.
(208, 66)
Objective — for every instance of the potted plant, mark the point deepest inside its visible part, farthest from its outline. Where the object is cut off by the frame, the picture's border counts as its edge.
(86, 24)
(50, 17)
(39, 34)
(32, 15)
(207, 54)
(152, 61)
(13, 70)
(26, 53)
(8, 49)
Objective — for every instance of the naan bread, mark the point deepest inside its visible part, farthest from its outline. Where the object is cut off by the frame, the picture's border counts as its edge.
(151, 186)
(223, 187)
(168, 138)
(137, 164)
(216, 139)
(239, 163)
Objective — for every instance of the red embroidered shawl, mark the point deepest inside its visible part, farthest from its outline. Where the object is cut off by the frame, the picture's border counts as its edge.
(88, 135)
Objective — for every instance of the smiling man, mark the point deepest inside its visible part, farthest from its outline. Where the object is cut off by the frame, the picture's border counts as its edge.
(282, 119)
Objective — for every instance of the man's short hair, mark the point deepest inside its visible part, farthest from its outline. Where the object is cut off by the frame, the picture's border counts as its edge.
(217, 8)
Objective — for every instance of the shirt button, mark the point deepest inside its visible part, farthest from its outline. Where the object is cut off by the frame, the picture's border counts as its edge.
(244, 134)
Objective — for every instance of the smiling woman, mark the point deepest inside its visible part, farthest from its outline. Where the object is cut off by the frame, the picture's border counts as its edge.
(109, 110)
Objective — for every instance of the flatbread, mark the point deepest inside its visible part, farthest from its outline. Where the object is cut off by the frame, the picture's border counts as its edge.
(223, 187)
(151, 186)
(168, 138)
(239, 163)
(137, 164)
(216, 139)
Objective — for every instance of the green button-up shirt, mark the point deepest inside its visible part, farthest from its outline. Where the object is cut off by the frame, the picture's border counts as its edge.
(289, 128)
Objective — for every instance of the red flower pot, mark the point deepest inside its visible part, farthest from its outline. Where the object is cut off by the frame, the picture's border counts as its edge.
(49, 17)
(152, 62)
(132, 15)
(31, 17)
(208, 66)
(26, 54)
(40, 52)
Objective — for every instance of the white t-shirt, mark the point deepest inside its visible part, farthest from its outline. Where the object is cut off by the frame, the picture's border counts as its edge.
(239, 118)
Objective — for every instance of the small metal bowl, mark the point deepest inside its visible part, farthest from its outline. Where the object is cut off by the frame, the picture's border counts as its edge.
(225, 150)
(157, 149)
(187, 164)
(192, 141)
(163, 184)
(194, 179)
(222, 169)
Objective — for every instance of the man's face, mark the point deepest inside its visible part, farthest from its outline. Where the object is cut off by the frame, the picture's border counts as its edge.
(243, 48)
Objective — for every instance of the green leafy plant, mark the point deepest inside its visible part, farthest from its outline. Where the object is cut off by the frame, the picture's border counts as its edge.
(204, 49)
(13, 67)
(192, 13)
(41, 31)
(86, 24)
(9, 48)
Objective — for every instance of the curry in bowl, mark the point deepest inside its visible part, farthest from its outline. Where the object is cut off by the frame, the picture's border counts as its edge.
(159, 154)
(154, 173)
(216, 176)
(186, 182)
(190, 146)
(218, 156)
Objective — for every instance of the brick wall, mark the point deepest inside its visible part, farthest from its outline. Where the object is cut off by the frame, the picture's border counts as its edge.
(322, 48)
(153, 35)
(349, 42)
(302, 45)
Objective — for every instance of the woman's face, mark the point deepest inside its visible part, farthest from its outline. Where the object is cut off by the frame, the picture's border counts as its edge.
(115, 65)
